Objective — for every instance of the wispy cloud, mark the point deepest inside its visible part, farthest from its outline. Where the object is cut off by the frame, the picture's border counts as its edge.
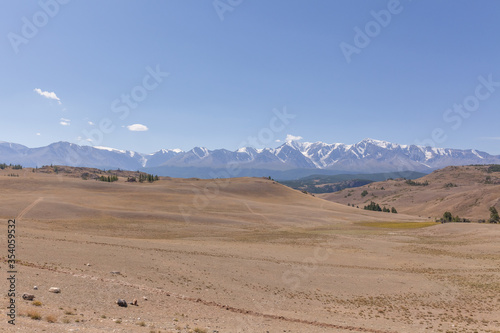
(290, 138)
(65, 122)
(47, 94)
(90, 123)
(137, 128)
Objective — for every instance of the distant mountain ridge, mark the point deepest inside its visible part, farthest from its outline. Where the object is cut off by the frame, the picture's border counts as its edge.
(293, 158)
(334, 183)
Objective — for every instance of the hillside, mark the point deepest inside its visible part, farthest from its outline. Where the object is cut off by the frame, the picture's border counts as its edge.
(334, 183)
(467, 191)
(235, 255)
(237, 203)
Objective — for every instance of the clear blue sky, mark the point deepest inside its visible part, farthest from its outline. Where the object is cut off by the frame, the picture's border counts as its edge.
(225, 77)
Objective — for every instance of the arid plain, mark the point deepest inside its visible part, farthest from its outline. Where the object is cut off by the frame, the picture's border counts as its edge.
(239, 255)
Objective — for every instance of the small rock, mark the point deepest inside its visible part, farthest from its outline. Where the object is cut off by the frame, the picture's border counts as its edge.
(35, 287)
(134, 302)
(122, 302)
(116, 272)
(88, 265)
(55, 290)
(28, 297)
(144, 298)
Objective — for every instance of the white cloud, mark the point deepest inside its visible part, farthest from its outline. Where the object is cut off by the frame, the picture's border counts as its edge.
(137, 128)
(46, 94)
(38, 134)
(65, 122)
(277, 140)
(290, 138)
(91, 123)
(81, 139)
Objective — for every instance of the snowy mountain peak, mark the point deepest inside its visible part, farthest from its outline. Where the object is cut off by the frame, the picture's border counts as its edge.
(110, 149)
(378, 143)
(366, 156)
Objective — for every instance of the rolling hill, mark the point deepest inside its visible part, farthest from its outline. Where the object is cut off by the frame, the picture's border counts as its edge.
(334, 183)
(466, 191)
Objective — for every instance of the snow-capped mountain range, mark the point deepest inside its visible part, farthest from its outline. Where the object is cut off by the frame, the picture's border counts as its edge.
(367, 156)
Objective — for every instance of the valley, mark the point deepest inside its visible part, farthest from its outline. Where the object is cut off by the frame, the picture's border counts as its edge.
(237, 255)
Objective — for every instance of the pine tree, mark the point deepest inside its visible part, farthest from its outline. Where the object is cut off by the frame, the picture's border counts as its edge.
(447, 217)
(494, 218)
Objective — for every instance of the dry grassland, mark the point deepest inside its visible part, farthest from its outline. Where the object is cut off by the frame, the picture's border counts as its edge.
(240, 255)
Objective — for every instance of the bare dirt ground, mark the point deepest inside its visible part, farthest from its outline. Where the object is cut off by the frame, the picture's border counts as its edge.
(241, 255)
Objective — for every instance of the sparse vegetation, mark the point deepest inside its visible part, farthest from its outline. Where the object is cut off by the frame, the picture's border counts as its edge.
(51, 319)
(401, 270)
(494, 218)
(337, 183)
(108, 179)
(199, 330)
(373, 206)
(448, 185)
(448, 217)
(34, 315)
(414, 183)
(148, 177)
(37, 303)
(15, 166)
(494, 168)
(364, 193)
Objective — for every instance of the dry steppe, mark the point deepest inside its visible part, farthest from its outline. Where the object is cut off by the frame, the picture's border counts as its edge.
(238, 255)
(466, 191)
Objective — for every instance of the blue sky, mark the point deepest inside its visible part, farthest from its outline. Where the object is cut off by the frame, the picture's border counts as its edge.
(403, 71)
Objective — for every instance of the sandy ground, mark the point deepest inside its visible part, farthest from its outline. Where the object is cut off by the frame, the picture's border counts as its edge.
(249, 255)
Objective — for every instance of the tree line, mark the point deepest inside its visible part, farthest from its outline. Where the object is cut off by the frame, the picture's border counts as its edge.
(376, 207)
(448, 217)
(15, 166)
